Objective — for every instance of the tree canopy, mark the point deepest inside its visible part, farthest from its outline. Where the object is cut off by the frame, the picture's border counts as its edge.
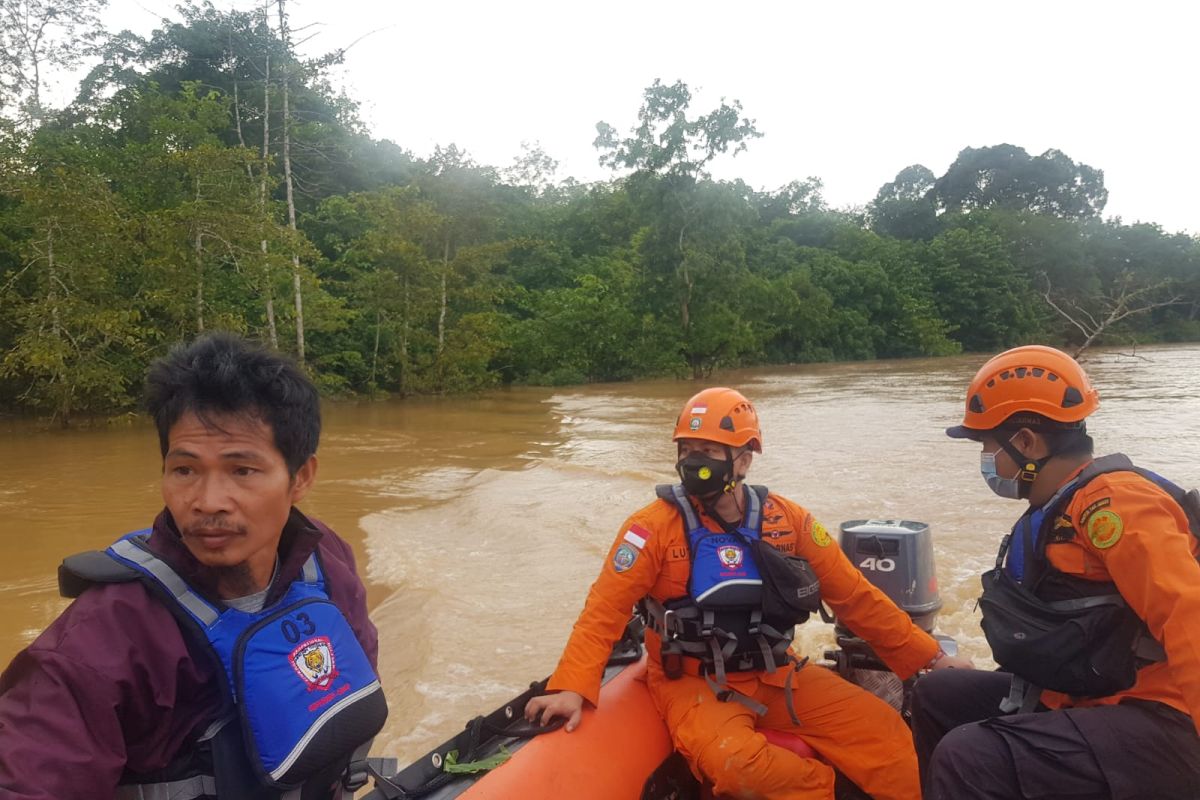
(207, 176)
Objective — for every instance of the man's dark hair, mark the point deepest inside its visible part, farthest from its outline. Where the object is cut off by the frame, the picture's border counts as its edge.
(224, 374)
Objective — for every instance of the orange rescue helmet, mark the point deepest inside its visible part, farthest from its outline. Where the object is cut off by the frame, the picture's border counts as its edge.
(720, 415)
(1028, 380)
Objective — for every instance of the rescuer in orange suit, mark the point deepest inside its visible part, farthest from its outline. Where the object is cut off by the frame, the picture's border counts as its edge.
(1091, 611)
(686, 551)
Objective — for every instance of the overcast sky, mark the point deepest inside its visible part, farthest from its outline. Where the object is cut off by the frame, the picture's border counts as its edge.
(850, 92)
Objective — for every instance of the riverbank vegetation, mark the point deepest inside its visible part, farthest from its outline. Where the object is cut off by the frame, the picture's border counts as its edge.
(208, 177)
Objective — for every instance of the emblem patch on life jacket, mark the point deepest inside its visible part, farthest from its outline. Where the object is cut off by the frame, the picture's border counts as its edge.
(731, 556)
(820, 535)
(314, 663)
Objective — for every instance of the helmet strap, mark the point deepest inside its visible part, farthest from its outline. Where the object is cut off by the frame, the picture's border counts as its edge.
(732, 483)
(1028, 468)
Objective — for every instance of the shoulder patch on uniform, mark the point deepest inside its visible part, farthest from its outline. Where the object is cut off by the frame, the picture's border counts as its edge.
(1092, 509)
(820, 535)
(636, 536)
(1063, 530)
(624, 557)
(1104, 529)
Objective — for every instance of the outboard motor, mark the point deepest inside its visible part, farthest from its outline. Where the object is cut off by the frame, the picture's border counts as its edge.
(897, 557)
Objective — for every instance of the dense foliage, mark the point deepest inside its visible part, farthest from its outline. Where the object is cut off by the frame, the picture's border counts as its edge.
(160, 203)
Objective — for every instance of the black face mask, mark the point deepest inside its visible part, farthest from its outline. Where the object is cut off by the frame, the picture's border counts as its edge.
(703, 476)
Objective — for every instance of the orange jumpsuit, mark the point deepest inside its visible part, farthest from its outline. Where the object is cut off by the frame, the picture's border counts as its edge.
(850, 728)
(1127, 530)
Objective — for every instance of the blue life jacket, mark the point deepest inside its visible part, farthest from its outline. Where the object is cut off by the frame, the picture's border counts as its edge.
(721, 620)
(1023, 539)
(724, 573)
(296, 676)
(1025, 547)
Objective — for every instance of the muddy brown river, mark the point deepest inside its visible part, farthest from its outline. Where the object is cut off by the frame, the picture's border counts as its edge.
(479, 523)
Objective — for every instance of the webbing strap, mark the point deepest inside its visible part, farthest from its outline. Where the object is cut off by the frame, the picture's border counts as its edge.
(357, 772)
(169, 579)
(1083, 603)
(1022, 698)
(215, 727)
(186, 789)
(685, 507)
(1149, 649)
(753, 511)
(758, 630)
(310, 573)
(726, 694)
(718, 659)
(788, 700)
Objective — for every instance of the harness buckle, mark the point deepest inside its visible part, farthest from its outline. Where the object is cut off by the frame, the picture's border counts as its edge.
(356, 775)
(668, 629)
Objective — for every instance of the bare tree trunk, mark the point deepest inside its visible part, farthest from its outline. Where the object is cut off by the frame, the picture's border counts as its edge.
(64, 405)
(262, 198)
(685, 301)
(299, 308)
(291, 199)
(404, 343)
(237, 107)
(52, 294)
(262, 189)
(198, 245)
(1124, 300)
(36, 117)
(272, 332)
(375, 352)
(442, 312)
(198, 257)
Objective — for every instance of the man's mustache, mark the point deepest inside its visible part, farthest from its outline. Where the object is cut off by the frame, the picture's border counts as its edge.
(215, 522)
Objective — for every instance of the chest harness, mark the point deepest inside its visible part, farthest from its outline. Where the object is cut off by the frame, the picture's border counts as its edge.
(734, 617)
(1058, 631)
(301, 696)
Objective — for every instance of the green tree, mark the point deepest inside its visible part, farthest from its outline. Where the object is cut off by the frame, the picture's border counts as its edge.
(36, 38)
(689, 245)
(905, 207)
(78, 332)
(392, 277)
(986, 302)
(1005, 176)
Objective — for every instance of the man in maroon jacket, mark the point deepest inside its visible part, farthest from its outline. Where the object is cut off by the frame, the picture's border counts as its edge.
(116, 692)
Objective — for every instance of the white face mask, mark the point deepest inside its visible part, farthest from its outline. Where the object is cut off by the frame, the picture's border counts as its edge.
(1009, 488)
